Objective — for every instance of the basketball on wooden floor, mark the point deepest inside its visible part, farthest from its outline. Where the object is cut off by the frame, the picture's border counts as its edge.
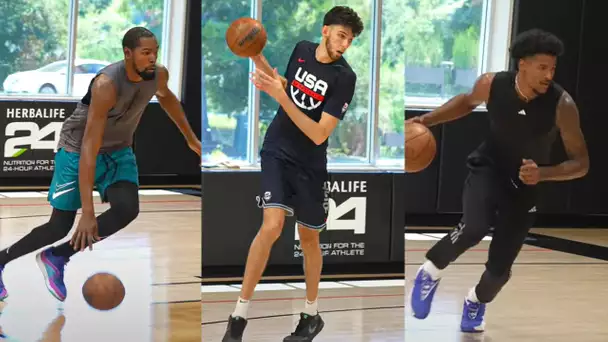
(420, 147)
(103, 291)
(246, 37)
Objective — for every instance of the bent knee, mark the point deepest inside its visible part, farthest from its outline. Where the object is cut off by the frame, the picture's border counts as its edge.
(272, 226)
(309, 238)
(469, 236)
(498, 272)
(128, 210)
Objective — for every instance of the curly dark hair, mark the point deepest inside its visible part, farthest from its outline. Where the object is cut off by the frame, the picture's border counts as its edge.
(345, 16)
(535, 42)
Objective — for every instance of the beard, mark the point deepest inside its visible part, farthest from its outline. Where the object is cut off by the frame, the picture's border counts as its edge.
(333, 55)
(146, 75)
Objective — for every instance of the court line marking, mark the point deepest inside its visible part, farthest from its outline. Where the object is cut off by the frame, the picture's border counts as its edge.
(177, 283)
(433, 236)
(519, 263)
(39, 194)
(46, 204)
(185, 301)
(326, 311)
(388, 295)
(290, 286)
(100, 212)
(485, 250)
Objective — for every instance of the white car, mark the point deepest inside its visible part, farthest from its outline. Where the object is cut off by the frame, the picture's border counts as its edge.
(51, 78)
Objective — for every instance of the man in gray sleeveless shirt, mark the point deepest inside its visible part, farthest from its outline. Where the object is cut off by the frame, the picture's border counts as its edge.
(95, 152)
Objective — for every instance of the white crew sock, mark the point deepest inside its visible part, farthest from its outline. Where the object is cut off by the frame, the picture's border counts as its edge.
(241, 308)
(310, 308)
(432, 270)
(472, 296)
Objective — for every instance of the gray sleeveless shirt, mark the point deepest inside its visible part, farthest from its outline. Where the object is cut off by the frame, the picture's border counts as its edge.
(131, 100)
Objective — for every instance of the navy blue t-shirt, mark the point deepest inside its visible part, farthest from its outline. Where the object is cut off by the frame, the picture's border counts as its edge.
(315, 88)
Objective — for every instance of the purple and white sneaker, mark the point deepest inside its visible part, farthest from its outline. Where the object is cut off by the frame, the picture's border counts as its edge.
(52, 267)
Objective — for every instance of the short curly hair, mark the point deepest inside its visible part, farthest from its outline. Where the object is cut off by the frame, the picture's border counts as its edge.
(535, 42)
(345, 16)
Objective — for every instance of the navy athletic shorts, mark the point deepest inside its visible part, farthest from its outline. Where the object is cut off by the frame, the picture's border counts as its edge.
(300, 192)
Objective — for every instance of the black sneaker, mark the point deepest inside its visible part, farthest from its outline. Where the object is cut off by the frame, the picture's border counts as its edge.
(234, 331)
(307, 329)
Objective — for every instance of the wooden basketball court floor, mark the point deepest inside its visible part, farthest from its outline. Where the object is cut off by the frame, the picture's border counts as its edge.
(556, 293)
(354, 311)
(157, 257)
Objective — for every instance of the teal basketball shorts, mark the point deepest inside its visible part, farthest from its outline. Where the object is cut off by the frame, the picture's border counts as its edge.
(64, 193)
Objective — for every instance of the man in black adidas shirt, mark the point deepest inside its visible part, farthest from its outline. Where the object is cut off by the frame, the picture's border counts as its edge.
(526, 110)
(314, 95)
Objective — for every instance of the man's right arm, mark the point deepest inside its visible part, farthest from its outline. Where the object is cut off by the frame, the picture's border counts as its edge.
(461, 105)
(103, 98)
(262, 63)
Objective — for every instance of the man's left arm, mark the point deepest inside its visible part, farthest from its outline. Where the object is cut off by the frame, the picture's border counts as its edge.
(333, 111)
(169, 102)
(577, 165)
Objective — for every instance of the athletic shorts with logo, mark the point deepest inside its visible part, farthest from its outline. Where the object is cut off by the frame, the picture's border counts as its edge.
(300, 192)
(64, 193)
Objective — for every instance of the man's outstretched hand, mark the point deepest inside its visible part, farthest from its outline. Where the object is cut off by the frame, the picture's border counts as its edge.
(86, 233)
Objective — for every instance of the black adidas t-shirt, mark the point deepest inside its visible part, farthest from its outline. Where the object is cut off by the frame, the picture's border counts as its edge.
(315, 88)
(518, 129)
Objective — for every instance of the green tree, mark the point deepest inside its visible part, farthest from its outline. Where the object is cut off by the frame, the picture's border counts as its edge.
(87, 7)
(33, 33)
(423, 42)
(225, 75)
(102, 24)
(392, 81)
(100, 35)
(148, 13)
(433, 25)
(466, 49)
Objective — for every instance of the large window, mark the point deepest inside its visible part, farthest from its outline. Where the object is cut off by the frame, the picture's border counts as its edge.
(412, 53)
(101, 26)
(232, 107)
(33, 46)
(225, 89)
(443, 48)
(391, 110)
(36, 42)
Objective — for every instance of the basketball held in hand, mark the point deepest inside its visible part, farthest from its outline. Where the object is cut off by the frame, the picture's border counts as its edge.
(420, 147)
(246, 37)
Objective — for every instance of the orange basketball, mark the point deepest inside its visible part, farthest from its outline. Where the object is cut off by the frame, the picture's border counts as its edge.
(420, 147)
(246, 37)
(103, 291)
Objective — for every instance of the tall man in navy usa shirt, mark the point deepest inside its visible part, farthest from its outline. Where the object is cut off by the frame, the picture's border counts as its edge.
(314, 95)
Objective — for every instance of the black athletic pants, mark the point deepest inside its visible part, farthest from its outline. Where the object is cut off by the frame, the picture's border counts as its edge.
(489, 199)
(124, 208)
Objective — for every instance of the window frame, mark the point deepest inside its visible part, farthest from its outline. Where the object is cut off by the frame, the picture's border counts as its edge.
(495, 38)
(494, 41)
(496, 35)
(172, 52)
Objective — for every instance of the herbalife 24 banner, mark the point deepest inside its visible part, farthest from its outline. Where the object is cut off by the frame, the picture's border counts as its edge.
(359, 219)
(30, 133)
(359, 223)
